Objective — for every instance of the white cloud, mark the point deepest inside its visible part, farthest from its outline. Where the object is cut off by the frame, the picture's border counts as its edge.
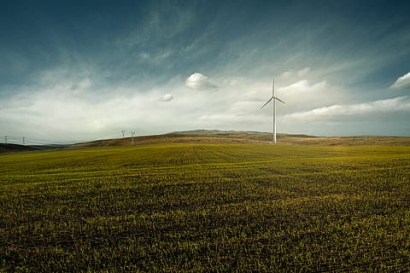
(402, 82)
(166, 98)
(199, 81)
(370, 110)
(294, 74)
(286, 75)
(304, 71)
(304, 95)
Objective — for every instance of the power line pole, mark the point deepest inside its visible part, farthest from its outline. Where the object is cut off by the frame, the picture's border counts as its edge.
(24, 141)
(133, 134)
(123, 132)
(5, 139)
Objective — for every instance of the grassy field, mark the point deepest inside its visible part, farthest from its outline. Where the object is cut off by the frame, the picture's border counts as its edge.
(206, 208)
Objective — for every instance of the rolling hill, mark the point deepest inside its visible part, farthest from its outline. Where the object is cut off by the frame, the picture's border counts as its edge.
(4, 148)
(215, 136)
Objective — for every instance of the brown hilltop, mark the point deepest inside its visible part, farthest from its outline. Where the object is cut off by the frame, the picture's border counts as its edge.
(214, 136)
(203, 136)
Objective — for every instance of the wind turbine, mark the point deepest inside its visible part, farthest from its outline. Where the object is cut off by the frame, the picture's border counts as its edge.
(274, 98)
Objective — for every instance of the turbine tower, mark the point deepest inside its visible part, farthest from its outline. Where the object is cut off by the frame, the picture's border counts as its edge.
(274, 98)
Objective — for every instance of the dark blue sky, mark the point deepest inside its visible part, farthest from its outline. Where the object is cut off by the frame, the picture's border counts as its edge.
(65, 66)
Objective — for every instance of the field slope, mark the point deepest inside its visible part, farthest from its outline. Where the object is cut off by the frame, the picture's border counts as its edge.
(205, 136)
(206, 208)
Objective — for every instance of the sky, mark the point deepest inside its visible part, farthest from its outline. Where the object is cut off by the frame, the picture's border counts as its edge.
(84, 70)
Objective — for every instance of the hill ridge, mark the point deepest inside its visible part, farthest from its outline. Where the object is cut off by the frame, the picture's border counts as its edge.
(217, 136)
(203, 136)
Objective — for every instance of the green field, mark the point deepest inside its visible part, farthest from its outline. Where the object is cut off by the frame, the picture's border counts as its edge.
(206, 208)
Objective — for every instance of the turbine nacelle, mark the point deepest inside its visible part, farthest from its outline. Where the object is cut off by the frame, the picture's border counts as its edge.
(276, 98)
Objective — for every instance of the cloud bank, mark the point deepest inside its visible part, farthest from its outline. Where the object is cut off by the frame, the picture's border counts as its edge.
(361, 111)
(402, 82)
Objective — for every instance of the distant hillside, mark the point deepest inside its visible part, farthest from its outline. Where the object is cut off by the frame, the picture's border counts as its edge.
(214, 132)
(178, 137)
(51, 146)
(233, 133)
(215, 136)
(7, 148)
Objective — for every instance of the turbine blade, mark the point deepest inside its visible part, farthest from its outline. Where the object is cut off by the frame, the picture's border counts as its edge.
(273, 87)
(267, 102)
(276, 98)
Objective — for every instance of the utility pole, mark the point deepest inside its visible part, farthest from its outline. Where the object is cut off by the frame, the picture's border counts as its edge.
(133, 134)
(24, 141)
(123, 132)
(5, 139)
